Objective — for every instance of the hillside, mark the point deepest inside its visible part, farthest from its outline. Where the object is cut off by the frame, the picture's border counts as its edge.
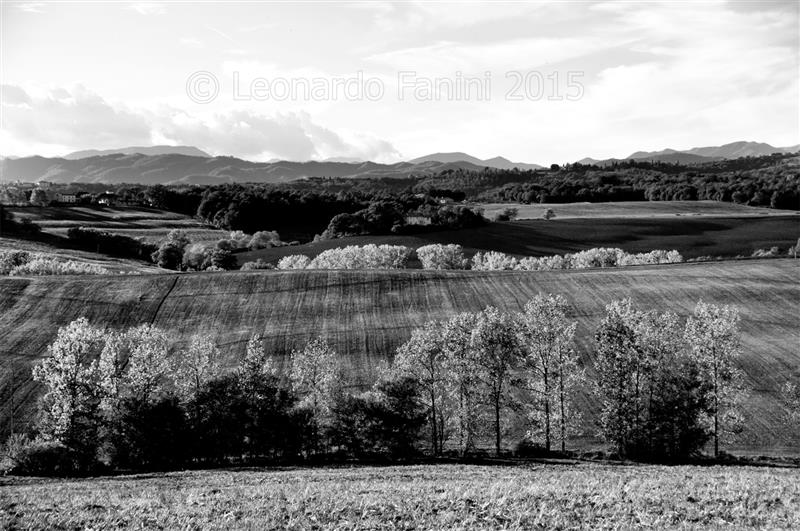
(367, 314)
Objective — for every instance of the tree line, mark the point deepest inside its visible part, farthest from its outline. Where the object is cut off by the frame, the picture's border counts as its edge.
(126, 399)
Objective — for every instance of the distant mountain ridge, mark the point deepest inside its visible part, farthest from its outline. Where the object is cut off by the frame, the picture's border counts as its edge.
(189, 165)
(733, 150)
(184, 169)
(189, 151)
(500, 163)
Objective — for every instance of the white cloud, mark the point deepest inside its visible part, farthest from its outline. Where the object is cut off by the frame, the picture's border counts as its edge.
(33, 7)
(60, 120)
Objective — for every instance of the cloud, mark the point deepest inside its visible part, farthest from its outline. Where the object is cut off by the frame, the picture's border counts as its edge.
(69, 118)
(148, 8)
(77, 118)
(290, 136)
(33, 7)
(13, 95)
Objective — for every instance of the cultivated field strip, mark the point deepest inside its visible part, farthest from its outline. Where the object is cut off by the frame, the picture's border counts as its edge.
(367, 314)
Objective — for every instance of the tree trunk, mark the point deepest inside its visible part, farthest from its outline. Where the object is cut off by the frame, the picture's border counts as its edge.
(546, 412)
(497, 426)
(433, 423)
(561, 404)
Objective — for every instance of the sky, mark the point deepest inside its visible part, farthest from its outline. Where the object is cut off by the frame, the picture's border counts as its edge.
(533, 82)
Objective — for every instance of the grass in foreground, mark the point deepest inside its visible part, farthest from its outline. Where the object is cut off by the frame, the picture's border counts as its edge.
(414, 497)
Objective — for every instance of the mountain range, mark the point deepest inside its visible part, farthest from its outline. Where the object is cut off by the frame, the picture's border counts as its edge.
(189, 165)
(698, 155)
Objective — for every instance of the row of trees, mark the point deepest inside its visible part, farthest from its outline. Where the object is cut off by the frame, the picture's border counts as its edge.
(476, 368)
(664, 387)
(451, 256)
(126, 399)
(178, 252)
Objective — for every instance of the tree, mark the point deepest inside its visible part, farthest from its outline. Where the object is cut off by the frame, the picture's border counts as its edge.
(620, 369)
(314, 376)
(422, 358)
(438, 256)
(134, 369)
(495, 340)
(170, 253)
(654, 396)
(549, 360)
(791, 394)
(195, 366)
(69, 409)
(712, 331)
(39, 197)
(462, 377)
(548, 214)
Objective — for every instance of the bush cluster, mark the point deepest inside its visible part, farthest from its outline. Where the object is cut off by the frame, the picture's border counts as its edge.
(590, 258)
(111, 244)
(369, 256)
(24, 263)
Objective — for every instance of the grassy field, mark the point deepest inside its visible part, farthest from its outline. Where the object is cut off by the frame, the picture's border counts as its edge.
(367, 314)
(570, 496)
(693, 237)
(149, 224)
(635, 209)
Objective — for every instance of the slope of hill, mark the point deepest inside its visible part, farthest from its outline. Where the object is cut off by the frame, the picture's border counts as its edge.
(189, 151)
(367, 314)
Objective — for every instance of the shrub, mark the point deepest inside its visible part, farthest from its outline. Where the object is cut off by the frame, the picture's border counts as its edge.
(39, 457)
(493, 261)
(367, 257)
(108, 243)
(54, 266)
(258, 264)
(507, 214)
(169, 254)
(295, 261)
(12, 259)
(766, 253)
(438, 256)
(201, 257)
(264, 239)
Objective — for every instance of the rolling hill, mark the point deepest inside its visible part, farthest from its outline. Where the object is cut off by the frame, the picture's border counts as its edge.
(367, 314)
